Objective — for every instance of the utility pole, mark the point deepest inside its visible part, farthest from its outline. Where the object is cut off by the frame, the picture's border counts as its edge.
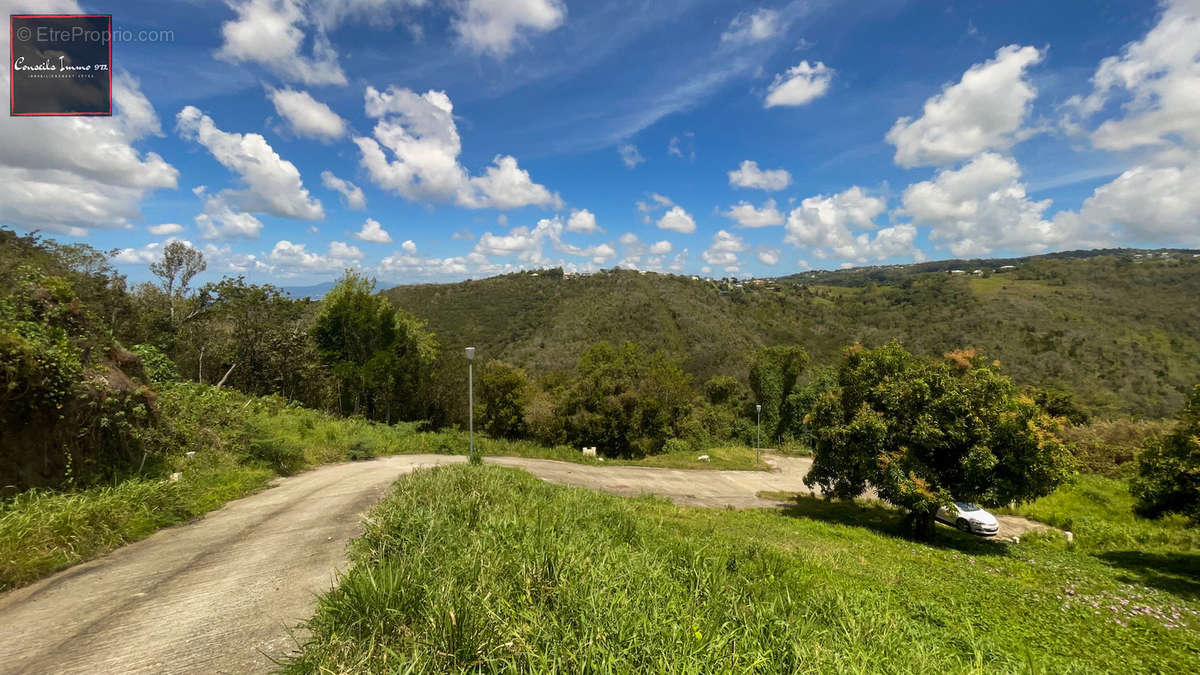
(758, 433)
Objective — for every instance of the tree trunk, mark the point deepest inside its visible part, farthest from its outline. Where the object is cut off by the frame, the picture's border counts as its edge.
(226, 377)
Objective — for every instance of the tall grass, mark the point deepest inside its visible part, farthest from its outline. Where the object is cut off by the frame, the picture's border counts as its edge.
(491, 570)
(1099, 511)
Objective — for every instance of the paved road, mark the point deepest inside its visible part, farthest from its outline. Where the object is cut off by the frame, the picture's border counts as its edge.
(220, 595)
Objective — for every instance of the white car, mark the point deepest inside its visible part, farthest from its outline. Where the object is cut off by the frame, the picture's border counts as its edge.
(969, 518)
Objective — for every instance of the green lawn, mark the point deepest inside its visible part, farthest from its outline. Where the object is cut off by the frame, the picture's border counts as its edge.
(489, 569)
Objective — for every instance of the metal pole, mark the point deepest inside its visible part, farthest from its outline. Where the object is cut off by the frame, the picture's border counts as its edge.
(471, 405)
(471, 399)
(758, 434)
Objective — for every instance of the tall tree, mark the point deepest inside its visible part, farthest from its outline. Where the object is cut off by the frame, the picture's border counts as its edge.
(503, 393)
(179, 265)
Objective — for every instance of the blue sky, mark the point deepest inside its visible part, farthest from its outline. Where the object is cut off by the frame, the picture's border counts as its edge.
(431, 140)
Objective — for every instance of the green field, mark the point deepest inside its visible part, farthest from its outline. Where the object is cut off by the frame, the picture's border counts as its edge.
(489, 569)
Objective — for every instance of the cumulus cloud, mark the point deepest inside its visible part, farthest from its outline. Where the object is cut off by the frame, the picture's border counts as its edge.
(582, 221)
(724, 249)
(352, 195)
(165, 229)
(288, 259)
(748, 175)
(527, 244)
(768, 256)
(271, 33)
(306, 116)
(677, 220)
(1155, 200)
(800, 85)
(660, 247)
(985, 110)
(145, 254)
(495, 26)
(273, 184)
(980, 208)
(373, 232)
(409, 246)
(746, 215)
(827, 224)
(422, 137)
(630, 155)
(753, 26)
(221, 221)
(68, 175)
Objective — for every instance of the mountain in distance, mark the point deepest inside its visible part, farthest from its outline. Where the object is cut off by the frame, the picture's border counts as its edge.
(316, 291)
(1120, 328)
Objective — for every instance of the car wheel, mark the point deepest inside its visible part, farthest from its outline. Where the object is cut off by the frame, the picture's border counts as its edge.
(963, 525)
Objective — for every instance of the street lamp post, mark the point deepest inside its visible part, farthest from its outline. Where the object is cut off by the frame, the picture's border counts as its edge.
(758, 432)
(471, 399)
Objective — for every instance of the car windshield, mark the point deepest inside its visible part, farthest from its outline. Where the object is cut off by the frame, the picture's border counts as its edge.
(965, 507)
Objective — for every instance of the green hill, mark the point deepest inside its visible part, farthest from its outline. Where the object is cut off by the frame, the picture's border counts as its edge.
(1120, 328)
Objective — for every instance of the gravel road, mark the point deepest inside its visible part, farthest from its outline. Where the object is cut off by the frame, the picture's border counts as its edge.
(223, 593)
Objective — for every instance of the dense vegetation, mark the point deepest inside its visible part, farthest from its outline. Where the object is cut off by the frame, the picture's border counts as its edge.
(491, 570)
(1120, 332)
(923, 434)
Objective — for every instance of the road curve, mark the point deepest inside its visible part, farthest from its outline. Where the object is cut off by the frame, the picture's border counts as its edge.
(223, 593)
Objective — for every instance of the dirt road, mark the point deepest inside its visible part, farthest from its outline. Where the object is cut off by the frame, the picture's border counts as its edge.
(221, 594)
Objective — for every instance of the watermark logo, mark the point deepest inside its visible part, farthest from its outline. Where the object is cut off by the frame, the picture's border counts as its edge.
(60, 64)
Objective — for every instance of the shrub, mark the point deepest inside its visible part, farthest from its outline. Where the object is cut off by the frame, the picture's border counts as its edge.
(1168, 479)
(677, 445)
(159, 367)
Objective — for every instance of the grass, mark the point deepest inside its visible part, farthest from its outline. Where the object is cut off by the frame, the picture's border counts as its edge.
(491, 570)
(239, 444)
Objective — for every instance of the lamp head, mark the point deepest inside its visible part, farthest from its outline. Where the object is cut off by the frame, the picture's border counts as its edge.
(757, 407)
(470, 353)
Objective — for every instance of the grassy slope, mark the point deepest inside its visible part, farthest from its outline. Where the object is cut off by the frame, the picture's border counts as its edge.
(1125, 336)
(241, 443)
(493, 570)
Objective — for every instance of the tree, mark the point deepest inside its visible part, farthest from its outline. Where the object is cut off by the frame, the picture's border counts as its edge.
(1168, 479)
(926, 433)
(180, 263)
(380, 357)
(503, 393)
(773, 374)
(625, 401)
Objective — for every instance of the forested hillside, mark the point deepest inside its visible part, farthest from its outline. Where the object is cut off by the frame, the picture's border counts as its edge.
(1121, 329)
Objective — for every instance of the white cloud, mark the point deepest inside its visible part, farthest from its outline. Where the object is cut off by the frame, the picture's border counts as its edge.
(373, 232)
(493, 26)
(351, 193)
(984, 110)
(746, 215)
(582, 221)
(630, 155)
(1155, 200)
(143, 255)
(628, 239)
(291, 259)
(724, 249)
(677, 220)
(409, 246)
(748, 175)
(827, 224)
(271, 33)
(980, 208)
(165, 229)
(800, 85)
(527, 244)
(342, 251)
(660, 247)
(273, 183)
(769, 256)
(750, 27)
(307, 116)
(221, 221)
(420, 132)
(68, 175)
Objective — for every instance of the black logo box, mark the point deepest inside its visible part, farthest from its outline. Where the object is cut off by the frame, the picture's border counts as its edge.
(60, 64)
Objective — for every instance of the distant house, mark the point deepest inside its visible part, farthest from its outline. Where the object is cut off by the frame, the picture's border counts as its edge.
(957, 272)
(1005, 268)
(977, 273)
